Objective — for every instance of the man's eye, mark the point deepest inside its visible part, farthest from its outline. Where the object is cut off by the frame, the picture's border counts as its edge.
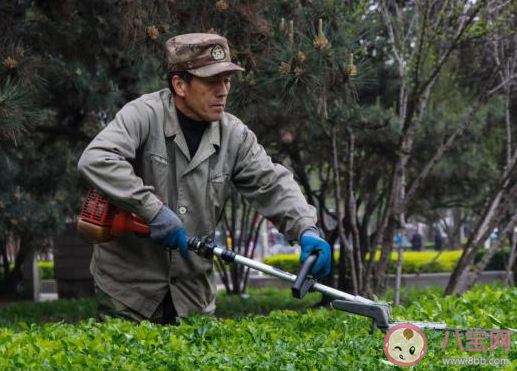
(399, 348)
(412, 350)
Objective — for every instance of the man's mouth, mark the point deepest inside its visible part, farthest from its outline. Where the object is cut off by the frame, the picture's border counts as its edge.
(217, 107)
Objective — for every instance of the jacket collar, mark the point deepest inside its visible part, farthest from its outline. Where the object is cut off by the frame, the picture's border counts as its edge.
(210, 140)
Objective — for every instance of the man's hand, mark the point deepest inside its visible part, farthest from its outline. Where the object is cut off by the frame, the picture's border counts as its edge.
(167, 229)
(311, 241)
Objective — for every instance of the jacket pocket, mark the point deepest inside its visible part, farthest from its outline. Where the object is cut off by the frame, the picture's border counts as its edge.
(217, 191)
(159, 159)
(157, 174)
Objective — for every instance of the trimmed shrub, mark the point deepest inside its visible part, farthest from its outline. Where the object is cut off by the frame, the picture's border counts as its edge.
(259, 302)
(68, 310)
(46, 270)
(285, 262)
(413, 261)
(286, 340)
(498, 261)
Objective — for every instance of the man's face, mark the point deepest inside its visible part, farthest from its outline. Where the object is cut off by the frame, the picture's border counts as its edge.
(204, 98)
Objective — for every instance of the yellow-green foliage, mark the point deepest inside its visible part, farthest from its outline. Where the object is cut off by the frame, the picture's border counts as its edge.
(46, 270)
(413, 261)
(286, 262)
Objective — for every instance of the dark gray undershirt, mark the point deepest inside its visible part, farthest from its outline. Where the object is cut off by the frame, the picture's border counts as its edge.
(192, 130)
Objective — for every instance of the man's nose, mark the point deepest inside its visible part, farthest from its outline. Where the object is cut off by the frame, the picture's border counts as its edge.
(222, 90)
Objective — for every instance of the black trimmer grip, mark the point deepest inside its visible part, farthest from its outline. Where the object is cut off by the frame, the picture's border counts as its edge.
(302, 285)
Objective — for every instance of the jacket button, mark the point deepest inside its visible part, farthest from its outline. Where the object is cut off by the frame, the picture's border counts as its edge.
(183, 210)
(173, 281)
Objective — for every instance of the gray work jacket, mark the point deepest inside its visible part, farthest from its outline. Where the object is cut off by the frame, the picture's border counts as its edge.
(141, 161)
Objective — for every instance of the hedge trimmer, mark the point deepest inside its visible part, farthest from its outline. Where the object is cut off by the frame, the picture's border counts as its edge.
(380, 312)
(100, 221)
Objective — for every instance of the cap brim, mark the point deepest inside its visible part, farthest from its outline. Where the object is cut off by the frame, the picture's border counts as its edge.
(215, 69)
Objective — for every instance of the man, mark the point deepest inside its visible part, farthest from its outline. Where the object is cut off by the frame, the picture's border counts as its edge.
(170, 157)
(416, 241)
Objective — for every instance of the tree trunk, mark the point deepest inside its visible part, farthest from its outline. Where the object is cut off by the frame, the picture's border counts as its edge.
(398, 276)
(456, 237)
(345, 249)
(470, 276)
(352, 213)
(13, 279)
(5, 261)
(509, 277)
(490, 219)
(233, 236)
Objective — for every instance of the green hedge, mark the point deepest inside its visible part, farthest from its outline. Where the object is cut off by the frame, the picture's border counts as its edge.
(67, 310)
(260, 302)
(413, 261)
(286, 340)
(45, 270)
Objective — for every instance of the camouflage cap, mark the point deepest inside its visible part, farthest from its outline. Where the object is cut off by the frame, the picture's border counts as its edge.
(200, 54)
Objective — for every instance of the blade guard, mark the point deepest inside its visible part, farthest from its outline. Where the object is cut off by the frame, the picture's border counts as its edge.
(380, 313)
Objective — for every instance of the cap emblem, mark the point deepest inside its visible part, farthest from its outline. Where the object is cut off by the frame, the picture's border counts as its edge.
(218, 53)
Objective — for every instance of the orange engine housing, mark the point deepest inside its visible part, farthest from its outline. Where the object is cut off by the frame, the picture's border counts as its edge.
(100, 221)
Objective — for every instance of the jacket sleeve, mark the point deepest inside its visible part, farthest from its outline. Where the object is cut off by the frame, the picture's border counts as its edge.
(271, 188)
(106, 162)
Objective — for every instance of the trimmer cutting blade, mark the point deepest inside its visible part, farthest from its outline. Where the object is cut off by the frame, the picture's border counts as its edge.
(380, 312)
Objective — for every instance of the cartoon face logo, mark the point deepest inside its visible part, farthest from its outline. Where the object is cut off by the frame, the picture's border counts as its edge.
(218, 53)
(405, 345)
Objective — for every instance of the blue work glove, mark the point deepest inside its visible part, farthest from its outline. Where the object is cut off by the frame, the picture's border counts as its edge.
(167, 230)
(311, 241)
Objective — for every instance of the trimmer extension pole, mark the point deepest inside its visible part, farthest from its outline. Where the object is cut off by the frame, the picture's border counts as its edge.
(289, 277)
(380, 312)
(231, 257)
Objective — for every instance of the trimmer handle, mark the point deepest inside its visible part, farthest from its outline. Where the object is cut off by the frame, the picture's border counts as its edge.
(302, 285)
(124, 222)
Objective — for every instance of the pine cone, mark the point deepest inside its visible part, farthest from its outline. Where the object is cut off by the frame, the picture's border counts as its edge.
(284, 68)
(10, 63)
(301, 57)
(222, 5)
(320, 42)
(152, 32)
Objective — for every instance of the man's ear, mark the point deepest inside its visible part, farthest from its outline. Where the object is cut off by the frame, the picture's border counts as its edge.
(179, 86)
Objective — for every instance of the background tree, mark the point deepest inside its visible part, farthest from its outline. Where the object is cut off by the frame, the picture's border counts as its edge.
(386, 112)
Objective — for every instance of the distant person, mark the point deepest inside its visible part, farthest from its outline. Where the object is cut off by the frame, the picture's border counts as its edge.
(401, 239)
(416, 242)
(438, 240)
